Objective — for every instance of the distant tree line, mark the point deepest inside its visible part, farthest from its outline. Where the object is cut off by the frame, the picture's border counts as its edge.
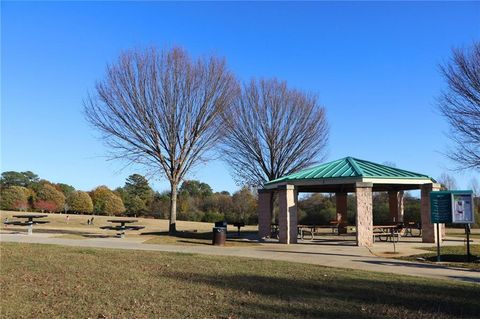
(25, 191)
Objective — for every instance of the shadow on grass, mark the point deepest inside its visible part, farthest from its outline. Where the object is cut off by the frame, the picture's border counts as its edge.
(343, 297)
(310, 253)
(455, 258)
(182, 234)
(419, 265)
(207, 236)
(62, 232)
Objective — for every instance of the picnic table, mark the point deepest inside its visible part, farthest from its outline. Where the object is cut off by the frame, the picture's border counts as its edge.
(274, 230)
(304, 230)
(386, 232)
(239, 225)
(413, 229)
(123, 226)
(31, 219)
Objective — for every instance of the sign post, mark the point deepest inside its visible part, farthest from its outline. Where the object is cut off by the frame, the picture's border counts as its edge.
(440, 212)
(452, 207)
(467, 229)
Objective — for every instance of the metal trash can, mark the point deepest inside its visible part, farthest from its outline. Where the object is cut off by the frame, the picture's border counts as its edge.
(219, 236)
(221, 224)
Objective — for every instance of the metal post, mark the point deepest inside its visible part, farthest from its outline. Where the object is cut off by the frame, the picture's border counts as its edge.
(438, 242)
(467, 229)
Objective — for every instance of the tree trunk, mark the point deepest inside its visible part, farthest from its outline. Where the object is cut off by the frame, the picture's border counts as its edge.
(172, 229)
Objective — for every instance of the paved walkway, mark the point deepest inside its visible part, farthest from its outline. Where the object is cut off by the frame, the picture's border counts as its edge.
(325, 255)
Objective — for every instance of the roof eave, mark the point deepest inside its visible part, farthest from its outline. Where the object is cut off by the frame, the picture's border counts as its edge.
(352, 180)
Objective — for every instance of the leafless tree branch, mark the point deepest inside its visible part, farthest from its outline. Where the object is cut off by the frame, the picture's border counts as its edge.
(460, 105)
(272, 130)
(161, 109)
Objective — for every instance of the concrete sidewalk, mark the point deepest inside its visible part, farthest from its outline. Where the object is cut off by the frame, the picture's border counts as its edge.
(325, 255)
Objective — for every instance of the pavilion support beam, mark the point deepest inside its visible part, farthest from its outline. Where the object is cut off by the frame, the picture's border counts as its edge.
(429, 230)
(395, 204)
(264, 210)
(341, 205)
(364, 218)
(287, 218)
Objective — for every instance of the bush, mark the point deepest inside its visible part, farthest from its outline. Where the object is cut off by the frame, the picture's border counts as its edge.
(14, 198)
(317, 209)
(80, 202)
(211, 217)
(45, 205)
(106, 202)
(49, 199)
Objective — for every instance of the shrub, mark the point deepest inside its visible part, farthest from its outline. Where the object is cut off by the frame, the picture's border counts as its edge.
(14, 198)
(106, 202)
(45, 205)
(211, 217)
(81, 202)
(49, 199)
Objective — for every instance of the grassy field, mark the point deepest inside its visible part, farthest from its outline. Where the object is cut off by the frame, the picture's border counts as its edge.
(79, 222)
(155, 231)
(455, 256)
(42, 281)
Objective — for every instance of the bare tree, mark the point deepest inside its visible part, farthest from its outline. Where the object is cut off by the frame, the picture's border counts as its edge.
(460, 105)
(475, 187)
(161, 109)
(272, 130)
(447, 181)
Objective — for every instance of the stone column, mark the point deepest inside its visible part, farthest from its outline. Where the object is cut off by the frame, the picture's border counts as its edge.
(287, 215)
(395, 204)
(264, 211)
(429, 230)
(364, 218)
(341, 205)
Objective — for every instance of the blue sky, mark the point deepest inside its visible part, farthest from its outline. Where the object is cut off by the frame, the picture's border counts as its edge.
(374, 66)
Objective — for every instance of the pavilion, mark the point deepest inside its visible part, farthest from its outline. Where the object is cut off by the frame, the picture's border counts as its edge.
(343, 176)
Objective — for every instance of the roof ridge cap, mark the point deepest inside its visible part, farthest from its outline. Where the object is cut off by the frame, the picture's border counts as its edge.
(355, 166)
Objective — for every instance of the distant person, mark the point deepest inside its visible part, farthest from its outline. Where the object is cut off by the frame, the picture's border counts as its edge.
(6, 221)
(88, 221)
(67, 218)
(91, 221)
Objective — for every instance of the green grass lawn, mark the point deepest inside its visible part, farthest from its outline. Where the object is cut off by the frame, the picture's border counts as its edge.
(472, 236)
(43, 281)
(453, 255)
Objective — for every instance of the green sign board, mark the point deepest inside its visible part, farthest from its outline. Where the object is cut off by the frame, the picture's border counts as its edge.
(452, 207)
(441, 207)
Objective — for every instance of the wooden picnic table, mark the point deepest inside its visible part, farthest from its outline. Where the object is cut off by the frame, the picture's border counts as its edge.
(123, 226)
(303, 230)
(238, 225)
(413, 229)
(386, 231)
(29, 222)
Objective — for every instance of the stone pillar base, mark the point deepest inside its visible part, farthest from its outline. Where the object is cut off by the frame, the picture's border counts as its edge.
(287, 218)
(364, 218)
(264, 210)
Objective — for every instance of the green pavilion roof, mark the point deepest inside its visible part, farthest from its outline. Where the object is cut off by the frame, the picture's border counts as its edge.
(350, 167)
